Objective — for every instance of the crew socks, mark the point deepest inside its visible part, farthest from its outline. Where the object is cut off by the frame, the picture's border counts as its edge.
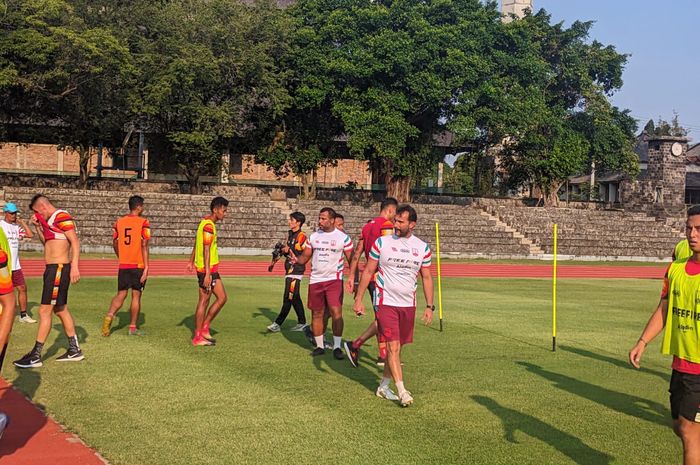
(337, 340)
(319, 342)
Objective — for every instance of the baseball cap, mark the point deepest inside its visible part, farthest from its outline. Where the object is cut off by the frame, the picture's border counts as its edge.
(10, 208)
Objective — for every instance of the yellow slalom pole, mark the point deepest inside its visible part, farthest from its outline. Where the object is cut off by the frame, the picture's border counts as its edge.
(554, 293)
(439, 272)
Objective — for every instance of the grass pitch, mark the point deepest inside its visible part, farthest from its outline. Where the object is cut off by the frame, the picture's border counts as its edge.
(488, 390)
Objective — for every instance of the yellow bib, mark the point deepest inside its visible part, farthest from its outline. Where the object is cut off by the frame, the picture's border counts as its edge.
(683, 317)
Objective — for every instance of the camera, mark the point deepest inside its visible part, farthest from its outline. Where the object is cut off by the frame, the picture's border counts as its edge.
(276, 254)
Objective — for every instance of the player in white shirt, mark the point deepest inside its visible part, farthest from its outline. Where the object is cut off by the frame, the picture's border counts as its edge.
(16, 230)
(327, 248)
(397, 261)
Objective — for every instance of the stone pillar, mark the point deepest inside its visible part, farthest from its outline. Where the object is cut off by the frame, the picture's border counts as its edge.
(666, 172)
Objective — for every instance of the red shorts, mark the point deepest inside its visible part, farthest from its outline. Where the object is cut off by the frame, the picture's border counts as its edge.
(328, 294)
(396, 323)
(18, 278)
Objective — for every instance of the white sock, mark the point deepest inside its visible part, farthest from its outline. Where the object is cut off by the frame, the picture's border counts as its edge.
(399, 387)
(319, 341)
(385, 382)
(337, 340)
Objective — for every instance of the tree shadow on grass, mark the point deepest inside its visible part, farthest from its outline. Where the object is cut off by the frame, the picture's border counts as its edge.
(620, 402)
(325, 363)
(666, 376)
(61, 341)
(567, 444)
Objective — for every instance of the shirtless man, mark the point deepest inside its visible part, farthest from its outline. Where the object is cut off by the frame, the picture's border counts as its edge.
(56, 230)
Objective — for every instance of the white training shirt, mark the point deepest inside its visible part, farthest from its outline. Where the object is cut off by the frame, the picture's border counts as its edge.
(400, 260)
(14, 233)
(327, 260)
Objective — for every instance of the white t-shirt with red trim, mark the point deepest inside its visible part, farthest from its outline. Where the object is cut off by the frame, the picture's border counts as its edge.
(327, 261)
(400, 260)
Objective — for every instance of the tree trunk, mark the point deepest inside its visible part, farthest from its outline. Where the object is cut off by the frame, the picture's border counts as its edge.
(84, 157)
(399, 188)
(308, 186)
(193, 178)
(550, 194)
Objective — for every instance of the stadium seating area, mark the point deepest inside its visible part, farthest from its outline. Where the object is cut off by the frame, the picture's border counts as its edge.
(254, 223)
(592, 233)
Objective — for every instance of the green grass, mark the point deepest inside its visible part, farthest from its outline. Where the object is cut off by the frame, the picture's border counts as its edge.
(488, 389)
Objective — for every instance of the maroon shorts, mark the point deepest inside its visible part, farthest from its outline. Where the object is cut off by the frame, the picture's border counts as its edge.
(18, 278)
(325, 295)
(396, 323)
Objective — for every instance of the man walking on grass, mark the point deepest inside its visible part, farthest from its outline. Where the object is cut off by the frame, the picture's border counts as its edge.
(382, 225)
(205, 258)
(16, 230)
(132, 233)
(678, 317)
(326, 248)
(397, 260)
(56, 230)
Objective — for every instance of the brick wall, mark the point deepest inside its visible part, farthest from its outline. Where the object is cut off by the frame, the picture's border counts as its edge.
(40, 157)
(342, 172)
(50, 158)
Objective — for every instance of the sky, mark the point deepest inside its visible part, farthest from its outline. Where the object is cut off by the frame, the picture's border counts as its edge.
(663, 70)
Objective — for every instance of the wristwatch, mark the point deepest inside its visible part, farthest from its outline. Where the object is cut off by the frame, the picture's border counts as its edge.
(431, 307)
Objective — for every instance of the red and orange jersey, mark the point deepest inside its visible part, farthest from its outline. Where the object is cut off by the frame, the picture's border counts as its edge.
(58, 223)
(300, 242)
(131, 233)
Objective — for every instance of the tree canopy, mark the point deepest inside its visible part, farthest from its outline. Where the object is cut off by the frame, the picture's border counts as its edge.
(384, 77)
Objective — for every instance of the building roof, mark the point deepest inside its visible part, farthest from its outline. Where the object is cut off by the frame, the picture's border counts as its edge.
(692, 180)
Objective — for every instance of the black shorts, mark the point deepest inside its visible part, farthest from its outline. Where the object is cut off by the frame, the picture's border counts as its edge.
(130, 278)
(56, 283)
(214, 278)
(685, 396)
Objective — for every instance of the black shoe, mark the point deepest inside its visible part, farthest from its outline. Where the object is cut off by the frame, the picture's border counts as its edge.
(30, 360)
(353, 354)
(72, 355)
(318, 351)
(309, 336)
(338, 353)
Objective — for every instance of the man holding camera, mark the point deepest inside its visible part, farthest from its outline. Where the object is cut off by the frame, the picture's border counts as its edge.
(293, 274)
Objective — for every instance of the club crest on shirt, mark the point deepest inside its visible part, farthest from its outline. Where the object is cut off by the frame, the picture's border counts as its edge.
(414, 252)
(332, 243)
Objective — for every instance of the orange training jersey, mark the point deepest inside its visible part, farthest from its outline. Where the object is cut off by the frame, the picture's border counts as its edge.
(131, 232)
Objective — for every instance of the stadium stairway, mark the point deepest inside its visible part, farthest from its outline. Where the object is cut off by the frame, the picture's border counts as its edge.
(254, 223)
(592, 234)
(465, 231)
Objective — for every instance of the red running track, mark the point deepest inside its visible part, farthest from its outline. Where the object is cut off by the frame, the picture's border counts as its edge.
(32, 438)
(108, 267)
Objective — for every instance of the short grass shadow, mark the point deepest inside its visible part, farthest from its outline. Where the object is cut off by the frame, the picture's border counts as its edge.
(124, 317)
(569, 445)
(326, 362)
(61, 341)
(666, 376)
(634, 406)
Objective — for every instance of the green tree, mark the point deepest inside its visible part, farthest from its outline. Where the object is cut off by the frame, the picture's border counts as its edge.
(57, 71)
(390, 71)
(212, 82)
(548, 105)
